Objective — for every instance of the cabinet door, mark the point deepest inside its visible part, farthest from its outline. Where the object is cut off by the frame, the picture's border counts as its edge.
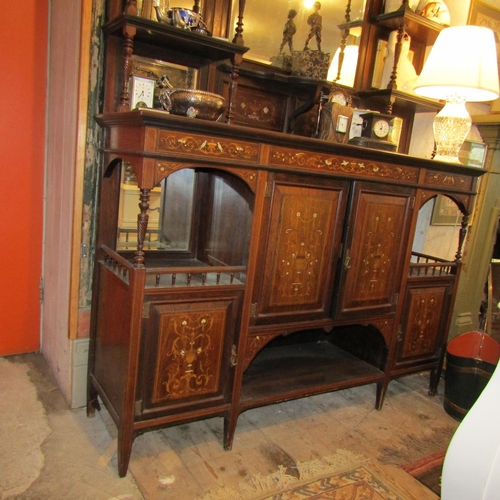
(187, 352)
(302, 248)
(423, 323)
(374, 250)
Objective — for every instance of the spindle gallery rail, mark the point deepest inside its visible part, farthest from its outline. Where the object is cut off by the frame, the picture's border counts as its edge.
(176, 276)
(427, 265)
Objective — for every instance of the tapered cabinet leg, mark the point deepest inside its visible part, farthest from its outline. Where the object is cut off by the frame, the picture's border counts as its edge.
(125, 440)
(381, 392)
(229, 430)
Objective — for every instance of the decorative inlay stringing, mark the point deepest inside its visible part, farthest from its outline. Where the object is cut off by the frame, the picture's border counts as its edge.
(280, 156)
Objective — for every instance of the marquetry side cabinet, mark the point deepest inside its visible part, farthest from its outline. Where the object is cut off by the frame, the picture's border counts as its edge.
(269, 253)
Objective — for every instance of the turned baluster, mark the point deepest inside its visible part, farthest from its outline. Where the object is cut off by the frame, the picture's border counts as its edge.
(461, 237)
(236, 61)
(397, 54)
(142, 226)
(343, 40)
(129, 33)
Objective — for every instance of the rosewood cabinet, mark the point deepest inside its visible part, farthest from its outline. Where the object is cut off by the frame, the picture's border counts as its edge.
(295, 252)
(254, 251)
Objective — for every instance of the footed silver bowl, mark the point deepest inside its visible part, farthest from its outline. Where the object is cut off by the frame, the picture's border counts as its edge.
(193, 103)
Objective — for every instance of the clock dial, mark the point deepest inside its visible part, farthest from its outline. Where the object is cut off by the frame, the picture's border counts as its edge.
(381, 128)
(339, 97)
(142, 92)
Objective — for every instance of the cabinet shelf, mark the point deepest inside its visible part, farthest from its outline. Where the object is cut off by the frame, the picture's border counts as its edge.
(197, 50)
(293, 371)
(411, 102)
(420, 28)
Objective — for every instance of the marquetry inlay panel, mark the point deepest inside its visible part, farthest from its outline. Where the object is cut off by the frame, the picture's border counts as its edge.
(191, 144)
(254, 344)
(297, 261)
(455, 181)
(189, 351)
(371, 260)
(343, 165)
(385, 327)
(424, 317)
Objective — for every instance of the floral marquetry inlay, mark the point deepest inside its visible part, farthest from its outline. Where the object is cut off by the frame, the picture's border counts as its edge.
(303, 228)
(448, 180)
(426, 306)
(207, 146)
(317, 161)
(189, 354)
(372, 257)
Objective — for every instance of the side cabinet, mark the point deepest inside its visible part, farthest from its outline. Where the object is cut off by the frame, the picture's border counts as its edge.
(374, 249)
(424, 325)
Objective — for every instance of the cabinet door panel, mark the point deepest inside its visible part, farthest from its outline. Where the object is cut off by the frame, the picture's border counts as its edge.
(303, 240)
(424, 319)
(188, 351)
(374, 251)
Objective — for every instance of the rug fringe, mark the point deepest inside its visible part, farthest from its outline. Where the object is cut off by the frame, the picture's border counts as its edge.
(260, 486)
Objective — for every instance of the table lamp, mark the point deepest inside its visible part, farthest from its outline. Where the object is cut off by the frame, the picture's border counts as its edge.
(344, 73)
(462, 66)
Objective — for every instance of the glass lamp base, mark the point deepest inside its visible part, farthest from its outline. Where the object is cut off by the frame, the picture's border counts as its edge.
(451, 127)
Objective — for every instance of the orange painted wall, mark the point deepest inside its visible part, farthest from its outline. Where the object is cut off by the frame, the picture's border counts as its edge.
(22, 130)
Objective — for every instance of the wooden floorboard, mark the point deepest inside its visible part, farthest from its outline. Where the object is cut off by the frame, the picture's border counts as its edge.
(185, 461)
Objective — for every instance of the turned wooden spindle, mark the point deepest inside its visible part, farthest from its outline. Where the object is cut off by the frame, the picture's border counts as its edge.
(129, 33)
(142, 226)
(461, 237)
(236, 61)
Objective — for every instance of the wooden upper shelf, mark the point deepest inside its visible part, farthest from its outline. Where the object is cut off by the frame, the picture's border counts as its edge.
(419, 27)
(198, 50)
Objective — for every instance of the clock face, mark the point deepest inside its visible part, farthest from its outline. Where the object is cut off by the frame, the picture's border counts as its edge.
(338, 96)
(381, 128)
(143, 90)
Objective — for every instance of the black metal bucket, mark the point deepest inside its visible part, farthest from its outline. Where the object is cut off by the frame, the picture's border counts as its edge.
(471, 359)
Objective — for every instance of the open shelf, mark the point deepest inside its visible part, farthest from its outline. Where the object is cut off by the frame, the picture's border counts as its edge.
(197, 50)
(288, 372)
(420, 27)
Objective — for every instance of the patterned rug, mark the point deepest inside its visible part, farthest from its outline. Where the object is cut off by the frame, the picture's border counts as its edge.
(350, 477)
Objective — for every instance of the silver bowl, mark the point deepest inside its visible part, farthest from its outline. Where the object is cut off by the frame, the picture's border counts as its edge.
(193, 103)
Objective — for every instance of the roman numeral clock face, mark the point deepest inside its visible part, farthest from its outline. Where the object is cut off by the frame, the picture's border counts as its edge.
(142, 92)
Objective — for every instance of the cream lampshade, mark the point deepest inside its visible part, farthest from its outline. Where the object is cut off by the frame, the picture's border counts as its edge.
(462, 66)
(348, 68)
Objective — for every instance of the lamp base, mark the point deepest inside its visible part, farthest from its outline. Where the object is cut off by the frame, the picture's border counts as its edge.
(451, 127)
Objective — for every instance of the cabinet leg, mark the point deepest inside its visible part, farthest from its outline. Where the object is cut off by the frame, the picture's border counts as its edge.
(92, 401)
(229, 430)
(381, 392)
(434, 381)
(125, 440)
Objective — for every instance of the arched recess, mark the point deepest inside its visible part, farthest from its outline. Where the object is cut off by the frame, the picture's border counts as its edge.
(187, 213)
(441, 226)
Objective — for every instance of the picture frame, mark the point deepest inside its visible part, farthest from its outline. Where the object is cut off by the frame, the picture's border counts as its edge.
(472, 154)
(482, 14)
(445, 212)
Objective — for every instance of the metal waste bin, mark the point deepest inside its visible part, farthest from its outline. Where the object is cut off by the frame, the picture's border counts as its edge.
(471, 359)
